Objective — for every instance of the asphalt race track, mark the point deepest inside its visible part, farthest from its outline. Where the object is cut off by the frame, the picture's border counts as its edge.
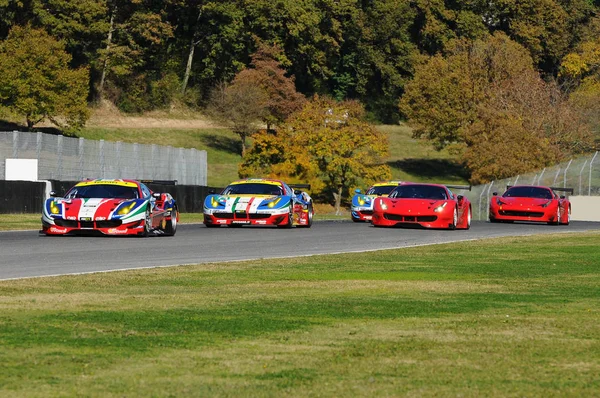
(29, 254)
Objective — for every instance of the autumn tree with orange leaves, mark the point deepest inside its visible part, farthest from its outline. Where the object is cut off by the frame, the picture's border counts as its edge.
(327, 144)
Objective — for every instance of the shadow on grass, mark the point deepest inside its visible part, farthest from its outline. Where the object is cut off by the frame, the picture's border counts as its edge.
(225, 144)
(440, 169)
(10, 126)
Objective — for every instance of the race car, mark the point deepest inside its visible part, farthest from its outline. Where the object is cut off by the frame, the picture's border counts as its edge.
(110, 207)
(362, 204)
(531, 203)
(423, 205)
(259, 201)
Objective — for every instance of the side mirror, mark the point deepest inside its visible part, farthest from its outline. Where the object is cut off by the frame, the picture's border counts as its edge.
(495, 193)
(563, 197)
(156, 195)
(357, 190)
(460, 198)
(297, 192)
(53, 194)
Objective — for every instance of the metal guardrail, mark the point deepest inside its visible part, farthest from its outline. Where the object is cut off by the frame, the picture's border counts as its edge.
(65, 158)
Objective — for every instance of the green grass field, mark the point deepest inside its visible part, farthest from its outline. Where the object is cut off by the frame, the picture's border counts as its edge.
(410, 159)
(511, 317)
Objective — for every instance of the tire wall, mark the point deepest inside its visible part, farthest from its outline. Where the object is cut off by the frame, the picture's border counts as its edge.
(28, 196)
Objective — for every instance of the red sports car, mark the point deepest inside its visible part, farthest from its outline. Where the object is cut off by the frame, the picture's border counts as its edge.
(110, 207)
(423, 205)
(531, 203)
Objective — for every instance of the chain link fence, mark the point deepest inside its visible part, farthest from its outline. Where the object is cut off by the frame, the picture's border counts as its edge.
(581, 174)
(68, 159)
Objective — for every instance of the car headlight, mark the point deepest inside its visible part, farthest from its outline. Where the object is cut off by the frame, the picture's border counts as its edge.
(499, 202)
(54, 209)
(383, 206)
(546, 204)
(125, 210)
(440, 207)
(273, 203)
(216, 202)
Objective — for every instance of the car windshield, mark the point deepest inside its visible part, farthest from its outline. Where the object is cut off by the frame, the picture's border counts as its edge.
(381, 190)
(103, 191)
(528, 192)
(253, 189)
(419, 192)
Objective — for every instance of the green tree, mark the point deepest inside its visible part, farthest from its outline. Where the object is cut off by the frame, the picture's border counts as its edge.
(327, 144)
(36, 81)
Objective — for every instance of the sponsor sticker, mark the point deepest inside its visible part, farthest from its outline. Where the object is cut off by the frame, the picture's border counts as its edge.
(240, 222)
(85, 219)
(58, 230)
(116, 231)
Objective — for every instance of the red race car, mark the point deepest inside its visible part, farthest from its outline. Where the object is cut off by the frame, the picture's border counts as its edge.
(531, 203)
(423, 205)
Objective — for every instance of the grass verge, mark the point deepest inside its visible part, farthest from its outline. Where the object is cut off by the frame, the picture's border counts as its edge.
(506, 317)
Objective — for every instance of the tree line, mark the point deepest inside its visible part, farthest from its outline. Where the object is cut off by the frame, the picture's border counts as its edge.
(507, 85)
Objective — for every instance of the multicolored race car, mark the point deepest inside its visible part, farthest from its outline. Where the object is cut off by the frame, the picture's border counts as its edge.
(362, 204)
(423, 205)
(531, 203)
(259, 201)
(110, 207)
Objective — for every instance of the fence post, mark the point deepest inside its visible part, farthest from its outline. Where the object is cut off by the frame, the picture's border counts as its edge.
(59, 151)
(81, 157)
(516, 179)
(590, 180)
(565, 174)
(118, 171)
(15, 153)
(38, 147)
(540, 177)
(102, 165)
(580, 174)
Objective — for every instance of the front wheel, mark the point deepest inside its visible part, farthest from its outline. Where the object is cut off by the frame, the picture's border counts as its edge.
(469, 218)
(454, 219)
(147, 223)
(290, 221)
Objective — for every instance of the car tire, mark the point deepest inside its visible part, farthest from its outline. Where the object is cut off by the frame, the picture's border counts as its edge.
(290, 221)
(147, 223)
(171, 226)
(469, 218)
(568, 216)
(454, 220)
(310, 217)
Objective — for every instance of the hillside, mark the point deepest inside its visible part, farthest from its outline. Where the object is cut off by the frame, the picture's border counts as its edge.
(410, 159)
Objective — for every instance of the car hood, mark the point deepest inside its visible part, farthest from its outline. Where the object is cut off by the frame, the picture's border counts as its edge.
(519, 201)
(96, 208)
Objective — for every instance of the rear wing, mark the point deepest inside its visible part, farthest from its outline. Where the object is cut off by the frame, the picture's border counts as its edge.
(461, 187)
(299, 186)
(557, 189)
(160, 182)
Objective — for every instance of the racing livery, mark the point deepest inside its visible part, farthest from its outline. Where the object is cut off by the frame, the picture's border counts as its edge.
(110, 207)
(423, 205)
(259, 201)
(531, 203)
(362, 204)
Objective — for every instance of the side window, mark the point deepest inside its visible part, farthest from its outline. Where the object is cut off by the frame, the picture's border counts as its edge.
(145, 191)
(287, 190)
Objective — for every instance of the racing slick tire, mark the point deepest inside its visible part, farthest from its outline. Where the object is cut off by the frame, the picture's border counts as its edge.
(290, 221)
(557, 220)
(469, 217)
(171, 225)
(452, 226)
(568, 216)
(147, 224)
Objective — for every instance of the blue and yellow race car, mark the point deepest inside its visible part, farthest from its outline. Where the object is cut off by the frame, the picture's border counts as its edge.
(259, 201)
(362, 203)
